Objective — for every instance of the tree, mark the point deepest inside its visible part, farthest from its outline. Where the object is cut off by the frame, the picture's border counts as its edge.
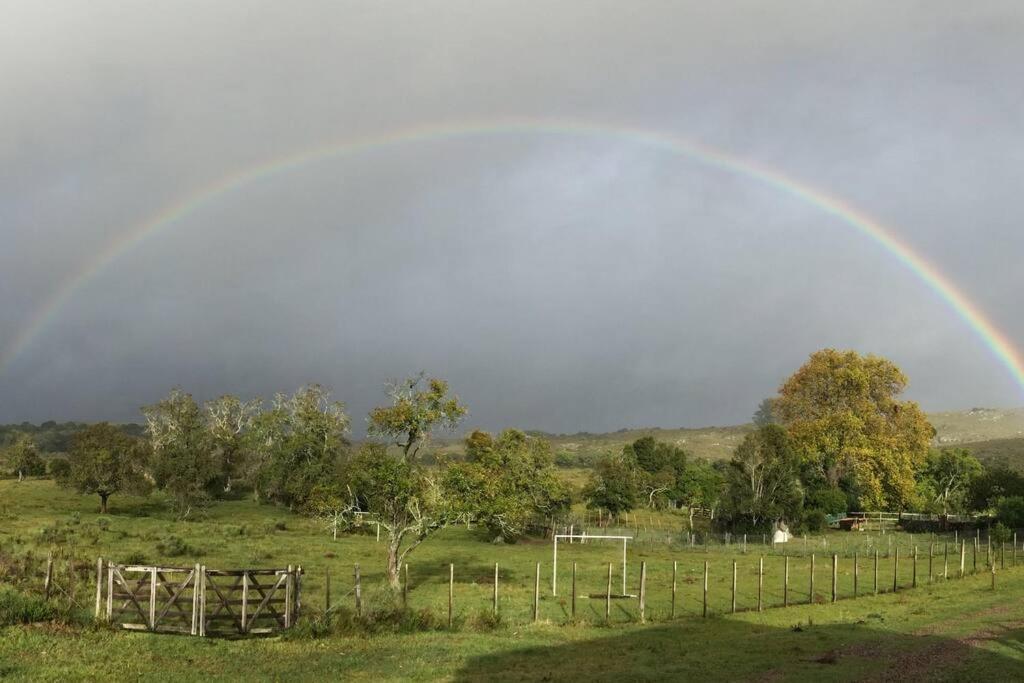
(401, 495)
(947, 477)
(22, 458)
(183, 462)
(843, 416)
(506, 483)
(296, 445)
(764, 482)
(701, 486)
(766, 413)
(661, 465)
(613, 485)
(103, 460)
(228, 419)
(415, 412)
(985, 490)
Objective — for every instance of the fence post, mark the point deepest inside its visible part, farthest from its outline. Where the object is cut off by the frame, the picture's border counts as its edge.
(913, 583)
(835, 576)
(195, 600)
(876, 572)
(536, 594)
(110, 592)
(202, 600)
(48, 581)
(785, 584)
(405, 586)
(705, 611)
(608, 596)
(734, 586)
(760, 583)
(99, 586)
(992, 568)
(810, 596)
(451, 594)
(643, 592)
(945, 561)
(573, 590)
(855, 575)
(675, 573)
(496, 587)
(963, 557)
(931, 551)
(289, 596)
(975, 569)
(327, 590)
(358, 590)
(152, 599)
(298, 592)
(1002, 554)
(245, 601)
(896, 570)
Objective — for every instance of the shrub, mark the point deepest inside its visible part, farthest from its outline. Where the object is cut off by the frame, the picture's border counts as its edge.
(173, 546)
(134, 558)
(18, 608)
(1010, 511)
(814, 520)
(1000, 533)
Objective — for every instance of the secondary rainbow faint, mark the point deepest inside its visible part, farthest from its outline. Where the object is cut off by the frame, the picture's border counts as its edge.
(50, 310)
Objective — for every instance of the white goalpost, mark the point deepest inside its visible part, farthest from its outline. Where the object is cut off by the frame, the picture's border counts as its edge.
(586, 537)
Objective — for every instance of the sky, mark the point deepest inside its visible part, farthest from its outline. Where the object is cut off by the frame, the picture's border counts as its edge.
(561, 279)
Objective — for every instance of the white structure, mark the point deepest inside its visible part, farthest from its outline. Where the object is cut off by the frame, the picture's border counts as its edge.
(781, 534)
(584, 537)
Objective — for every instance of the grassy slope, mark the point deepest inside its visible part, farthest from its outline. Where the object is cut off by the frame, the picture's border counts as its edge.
(949, 629)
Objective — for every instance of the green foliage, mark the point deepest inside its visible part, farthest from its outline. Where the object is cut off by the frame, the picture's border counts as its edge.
(946, 478)
(21, 459)
(174, 546)
(613, 485)
(103, 461)
(506, 484)
(296, 445)
(763, 482)
(18, 608)
(1010, 511)
(183, 462)
(842, 413)
(828, 500)
(416, 412)
(986, 489)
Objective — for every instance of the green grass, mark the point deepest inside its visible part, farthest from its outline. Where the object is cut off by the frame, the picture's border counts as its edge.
(970, 631)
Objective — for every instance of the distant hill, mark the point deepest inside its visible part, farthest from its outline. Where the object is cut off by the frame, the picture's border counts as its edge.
(1007, 453)
(978, 424)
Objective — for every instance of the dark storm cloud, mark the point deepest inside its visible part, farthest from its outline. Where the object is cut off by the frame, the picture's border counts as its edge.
(560, 282)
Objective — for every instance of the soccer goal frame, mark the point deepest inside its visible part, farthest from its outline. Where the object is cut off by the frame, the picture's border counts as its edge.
(586, 537)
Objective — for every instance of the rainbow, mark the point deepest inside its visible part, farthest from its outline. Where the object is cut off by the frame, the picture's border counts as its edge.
(970, 313)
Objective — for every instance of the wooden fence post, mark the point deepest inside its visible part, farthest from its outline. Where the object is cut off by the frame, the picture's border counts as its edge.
(405, 586)
(48, 581)
(835, 577)
(110, 592)
(705, 611)
(245, 601)
(896, 570)
(99, 586)
(358, 590)
(675, 573)
(855, 577)
(876, 572)
(289, 597)
(760, 583)
(643, 592)
(451, 594)
(734, 586)
(931, 551)
(608, 596)
(992, 568)
(945, 561)
(496, 587)
(298, 592)
(202, 600)
(152, 599)
(195, 600)
(913, 583)
(1002, 554)
(975, 562)
(785, 584)
(963, 557)
(573, 590)
(810, 596)
(327, 590)
(536, 594)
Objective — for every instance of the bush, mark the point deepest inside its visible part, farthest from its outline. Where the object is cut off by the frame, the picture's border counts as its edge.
(1010, 511)
(1000, 533)
(173, 546)
(814, 520)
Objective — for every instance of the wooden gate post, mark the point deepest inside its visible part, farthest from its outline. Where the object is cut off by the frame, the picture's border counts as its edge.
(195, 600)
(705, 588)
(99, 586)
(48, 581)
(152, 599)
(202, 600)
(289, 597)
(110, 592)
(245, 602)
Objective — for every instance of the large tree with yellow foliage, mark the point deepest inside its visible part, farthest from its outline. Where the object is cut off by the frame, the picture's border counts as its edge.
(843, 413)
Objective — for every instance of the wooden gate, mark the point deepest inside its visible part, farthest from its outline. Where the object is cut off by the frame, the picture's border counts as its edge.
(199, 601)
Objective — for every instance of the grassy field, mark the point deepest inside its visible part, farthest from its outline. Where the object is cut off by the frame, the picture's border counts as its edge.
(851, 639)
